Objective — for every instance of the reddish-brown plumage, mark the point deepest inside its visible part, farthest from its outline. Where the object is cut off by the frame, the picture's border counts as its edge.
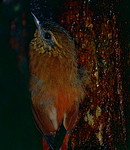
(58, 81)
(56, 88)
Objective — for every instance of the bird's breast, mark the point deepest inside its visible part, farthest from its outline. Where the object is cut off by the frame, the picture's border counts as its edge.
(54, 89)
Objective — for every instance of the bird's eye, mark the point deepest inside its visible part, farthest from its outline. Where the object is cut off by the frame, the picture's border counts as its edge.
(47, 35)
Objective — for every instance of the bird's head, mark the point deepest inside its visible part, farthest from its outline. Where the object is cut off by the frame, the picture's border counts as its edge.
(52, 39)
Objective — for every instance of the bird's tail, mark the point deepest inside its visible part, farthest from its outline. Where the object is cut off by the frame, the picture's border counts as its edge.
(45, 145)
(65, 142)
(57, 140)
(64, 145)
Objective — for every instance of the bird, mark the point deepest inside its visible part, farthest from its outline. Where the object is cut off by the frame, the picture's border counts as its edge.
(55, 85)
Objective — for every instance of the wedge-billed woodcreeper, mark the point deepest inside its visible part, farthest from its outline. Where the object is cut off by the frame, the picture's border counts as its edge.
(55, 85)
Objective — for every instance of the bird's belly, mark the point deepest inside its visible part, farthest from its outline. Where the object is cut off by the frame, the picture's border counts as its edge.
(50, 104)
(51, 108)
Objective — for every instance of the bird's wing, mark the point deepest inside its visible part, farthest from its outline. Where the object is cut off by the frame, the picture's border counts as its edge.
(71, 117)
(46, 117)
(44, 112)
(40, 126)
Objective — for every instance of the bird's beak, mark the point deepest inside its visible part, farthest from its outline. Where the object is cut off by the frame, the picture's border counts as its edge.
(37, 22)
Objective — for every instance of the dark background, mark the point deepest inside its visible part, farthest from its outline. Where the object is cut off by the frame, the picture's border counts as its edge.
(17, 130)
